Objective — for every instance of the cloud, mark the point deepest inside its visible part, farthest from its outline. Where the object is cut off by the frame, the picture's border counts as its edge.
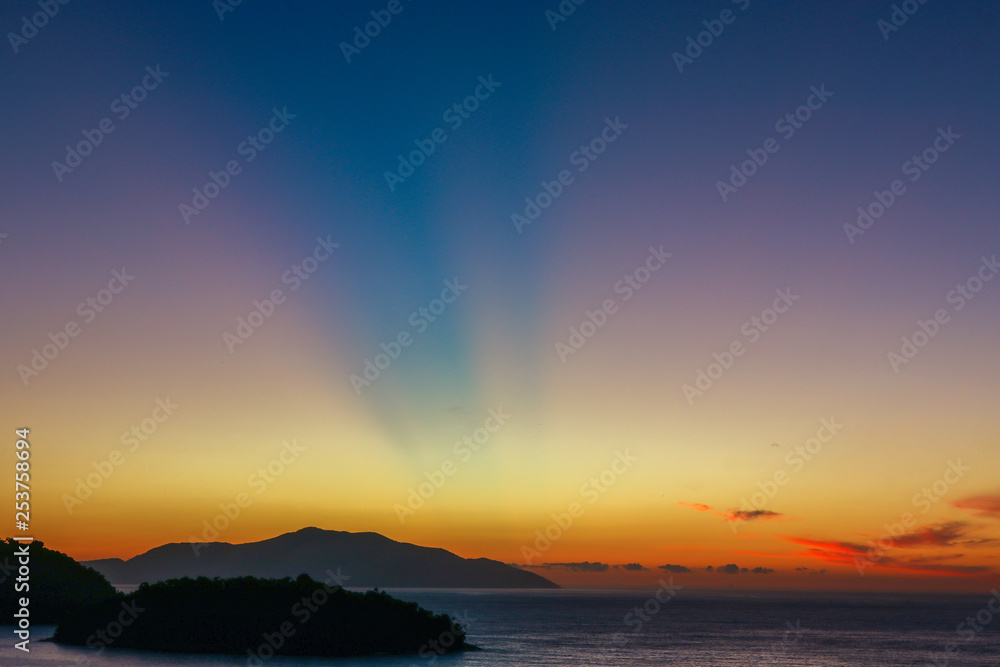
(987, 505)
(631, 567)
(940, 535)
(679, 569)
(852, 554)
(983, 542)
(836, 548)
(585, 566)
(731, 568)
(460, 412)
(809, 570)
(762, 570)
(917, 566)
(696, 506)
(734, 514)
(752, 515)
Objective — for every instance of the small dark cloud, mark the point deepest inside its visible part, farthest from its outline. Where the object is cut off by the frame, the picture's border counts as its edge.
(631, 567)
(751, 515)
(733, 568)
(679, 569)
(585, 566)
(984, 542)
(809, 570)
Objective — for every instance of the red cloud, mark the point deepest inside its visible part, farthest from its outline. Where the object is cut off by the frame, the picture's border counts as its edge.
(696, 506)
(986, 505)
(844, 548)
(851, 554)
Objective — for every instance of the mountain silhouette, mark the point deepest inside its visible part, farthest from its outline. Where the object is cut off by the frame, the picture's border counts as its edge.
(363, 559)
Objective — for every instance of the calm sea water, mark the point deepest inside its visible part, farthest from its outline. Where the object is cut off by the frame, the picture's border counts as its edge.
(594, 629)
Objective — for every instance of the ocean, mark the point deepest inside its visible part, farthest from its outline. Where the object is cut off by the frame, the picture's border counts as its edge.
(692, 628)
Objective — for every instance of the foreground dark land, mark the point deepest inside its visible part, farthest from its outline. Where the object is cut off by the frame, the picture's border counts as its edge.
(260, 617)
(58, 587)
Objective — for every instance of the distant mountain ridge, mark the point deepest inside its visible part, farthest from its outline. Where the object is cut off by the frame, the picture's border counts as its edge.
(363, 559)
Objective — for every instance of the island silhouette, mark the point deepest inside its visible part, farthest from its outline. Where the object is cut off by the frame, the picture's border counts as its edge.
(252, 616)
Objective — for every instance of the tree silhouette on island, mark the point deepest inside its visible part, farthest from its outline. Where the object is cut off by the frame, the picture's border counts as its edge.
(56, 585)
(261, 618)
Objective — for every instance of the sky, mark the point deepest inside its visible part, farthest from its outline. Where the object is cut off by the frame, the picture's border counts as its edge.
(614, 293)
